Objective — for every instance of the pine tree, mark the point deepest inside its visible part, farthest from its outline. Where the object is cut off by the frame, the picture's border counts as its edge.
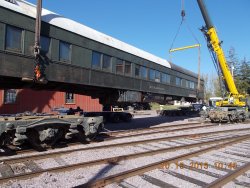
(207, 87)
(243, 77)
(233, 62)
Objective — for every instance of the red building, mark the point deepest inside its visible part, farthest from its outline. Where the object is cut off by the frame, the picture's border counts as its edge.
(17, 101)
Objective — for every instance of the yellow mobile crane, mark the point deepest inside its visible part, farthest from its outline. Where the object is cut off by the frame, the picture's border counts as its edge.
(231, 108)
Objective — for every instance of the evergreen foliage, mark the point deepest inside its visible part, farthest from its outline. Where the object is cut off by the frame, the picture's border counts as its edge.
(240, 70)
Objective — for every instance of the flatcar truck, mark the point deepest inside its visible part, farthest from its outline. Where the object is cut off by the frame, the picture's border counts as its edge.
(47, 130)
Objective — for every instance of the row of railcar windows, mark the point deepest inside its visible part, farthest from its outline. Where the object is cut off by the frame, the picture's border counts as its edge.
(104, 62)
(14, 42)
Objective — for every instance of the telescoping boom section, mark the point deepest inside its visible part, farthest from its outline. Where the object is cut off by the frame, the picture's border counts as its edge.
(214, 45)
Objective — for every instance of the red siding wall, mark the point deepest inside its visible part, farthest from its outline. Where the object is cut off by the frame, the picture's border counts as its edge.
(44, 101)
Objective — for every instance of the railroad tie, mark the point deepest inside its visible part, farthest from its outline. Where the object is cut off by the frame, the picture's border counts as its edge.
(6, 170)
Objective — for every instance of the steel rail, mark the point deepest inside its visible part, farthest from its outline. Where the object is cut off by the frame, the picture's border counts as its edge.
(229, 177)
(113, 133)
(161, 131)
(59, 153)
(140, 170)
(126, 136)
(116, 159)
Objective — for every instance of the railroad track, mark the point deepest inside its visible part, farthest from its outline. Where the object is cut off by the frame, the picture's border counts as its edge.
(113, 135)
(130, 133)
(164, 166)
(34, 170)
(139, 130)
(120, 158)
(166, 128)
(152, 130)
(33, 156)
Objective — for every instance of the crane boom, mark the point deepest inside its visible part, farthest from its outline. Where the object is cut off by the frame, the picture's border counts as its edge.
(215, 45)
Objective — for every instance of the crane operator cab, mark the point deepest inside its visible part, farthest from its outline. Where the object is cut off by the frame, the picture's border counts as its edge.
(212, 101)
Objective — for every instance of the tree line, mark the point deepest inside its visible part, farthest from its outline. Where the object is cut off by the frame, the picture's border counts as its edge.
(240, 69)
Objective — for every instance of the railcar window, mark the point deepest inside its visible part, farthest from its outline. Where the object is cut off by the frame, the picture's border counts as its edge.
(143, 72)
(183, 82)
(69, 98)
(157, 76)
(65, 49)
(165, 78)
(96, 60)
(168, 78)
(10, 96)
(128, 68)
(106, 63)
(137, 70)
(13, 40)
(119, 66)
(187, 84)
(152, 74)
(177, 81)
(192, 85)
(45, 44)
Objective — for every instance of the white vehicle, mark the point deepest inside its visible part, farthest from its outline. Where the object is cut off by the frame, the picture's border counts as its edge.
(212, 101)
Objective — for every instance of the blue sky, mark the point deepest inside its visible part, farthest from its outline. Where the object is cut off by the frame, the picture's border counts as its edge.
(152, 24)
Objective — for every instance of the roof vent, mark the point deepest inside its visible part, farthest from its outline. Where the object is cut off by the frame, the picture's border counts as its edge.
(11, 1)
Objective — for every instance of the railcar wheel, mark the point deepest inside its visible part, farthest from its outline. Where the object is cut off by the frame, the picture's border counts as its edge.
(242, 117)
(91, 137)
(2, 140)
(232, 118)
(94, 136)
(33, 139)
(40, 139)
(6, 138)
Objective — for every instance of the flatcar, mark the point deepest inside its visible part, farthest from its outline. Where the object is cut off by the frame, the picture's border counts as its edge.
(82, 60)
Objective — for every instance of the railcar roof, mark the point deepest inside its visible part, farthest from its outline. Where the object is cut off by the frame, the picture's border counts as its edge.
(52, 18)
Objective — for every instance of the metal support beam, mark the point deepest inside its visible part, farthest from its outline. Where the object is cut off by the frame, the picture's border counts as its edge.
(184, 48)
(188, 47)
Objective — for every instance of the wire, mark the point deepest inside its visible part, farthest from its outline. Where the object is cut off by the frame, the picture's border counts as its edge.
(182, 9)
(191, 32)
(183, 20)
(172, 44)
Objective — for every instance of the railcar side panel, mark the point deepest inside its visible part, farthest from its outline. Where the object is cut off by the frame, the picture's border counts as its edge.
(78, 69)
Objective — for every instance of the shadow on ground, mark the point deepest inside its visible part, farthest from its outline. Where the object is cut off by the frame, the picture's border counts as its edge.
(144, 122)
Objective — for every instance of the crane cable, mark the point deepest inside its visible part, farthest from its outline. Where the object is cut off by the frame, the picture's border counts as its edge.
(183, 20)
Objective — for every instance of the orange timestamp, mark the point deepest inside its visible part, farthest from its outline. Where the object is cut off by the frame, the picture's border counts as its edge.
(199, 165)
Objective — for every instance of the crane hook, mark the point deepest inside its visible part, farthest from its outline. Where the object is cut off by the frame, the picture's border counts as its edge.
(183, 13)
